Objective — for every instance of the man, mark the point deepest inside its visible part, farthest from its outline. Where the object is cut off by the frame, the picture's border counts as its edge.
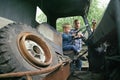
(77, 40)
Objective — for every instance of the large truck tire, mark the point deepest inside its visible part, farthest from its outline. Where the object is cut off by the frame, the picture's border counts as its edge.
(23, 49)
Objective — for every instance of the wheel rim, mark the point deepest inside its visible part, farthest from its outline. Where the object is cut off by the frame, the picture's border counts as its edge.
(34, 49)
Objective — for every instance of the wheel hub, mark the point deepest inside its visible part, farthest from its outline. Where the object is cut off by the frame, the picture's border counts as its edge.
(35, 50)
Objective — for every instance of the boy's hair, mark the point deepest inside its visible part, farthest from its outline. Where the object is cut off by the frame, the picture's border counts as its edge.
(65, 25)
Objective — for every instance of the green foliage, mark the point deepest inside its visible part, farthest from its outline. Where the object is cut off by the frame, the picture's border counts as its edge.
(95, 12)
(41, 18)
(69, 20)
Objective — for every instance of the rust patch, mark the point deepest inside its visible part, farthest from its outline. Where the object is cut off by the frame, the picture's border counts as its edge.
(61, 74)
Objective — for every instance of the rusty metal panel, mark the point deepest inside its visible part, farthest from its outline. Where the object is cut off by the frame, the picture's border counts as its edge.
(54, 37)
(60, 74)
(23, 11)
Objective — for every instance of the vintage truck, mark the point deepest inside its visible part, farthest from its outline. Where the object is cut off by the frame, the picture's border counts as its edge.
(29, 50)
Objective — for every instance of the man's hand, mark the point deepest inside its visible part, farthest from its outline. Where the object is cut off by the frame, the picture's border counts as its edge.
(94, 22)
(79, 34)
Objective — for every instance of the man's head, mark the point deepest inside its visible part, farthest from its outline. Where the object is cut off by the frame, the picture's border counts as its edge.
(76, 24)
(66, 27)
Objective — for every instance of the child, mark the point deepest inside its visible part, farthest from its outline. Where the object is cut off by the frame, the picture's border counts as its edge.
(68, 39)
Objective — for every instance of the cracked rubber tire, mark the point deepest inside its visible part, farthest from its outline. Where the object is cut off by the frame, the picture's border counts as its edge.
(12, 59)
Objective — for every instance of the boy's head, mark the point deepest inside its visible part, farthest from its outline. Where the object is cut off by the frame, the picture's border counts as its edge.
(66, 27)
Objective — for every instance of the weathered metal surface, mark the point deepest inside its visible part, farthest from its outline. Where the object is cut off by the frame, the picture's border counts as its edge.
(61, 74)
(19, 74)
(65, 8)
(4, 22)
(106, 37)
(23, 11)
(52, 36)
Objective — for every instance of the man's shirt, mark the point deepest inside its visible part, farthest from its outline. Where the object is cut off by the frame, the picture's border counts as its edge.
(77, 42)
